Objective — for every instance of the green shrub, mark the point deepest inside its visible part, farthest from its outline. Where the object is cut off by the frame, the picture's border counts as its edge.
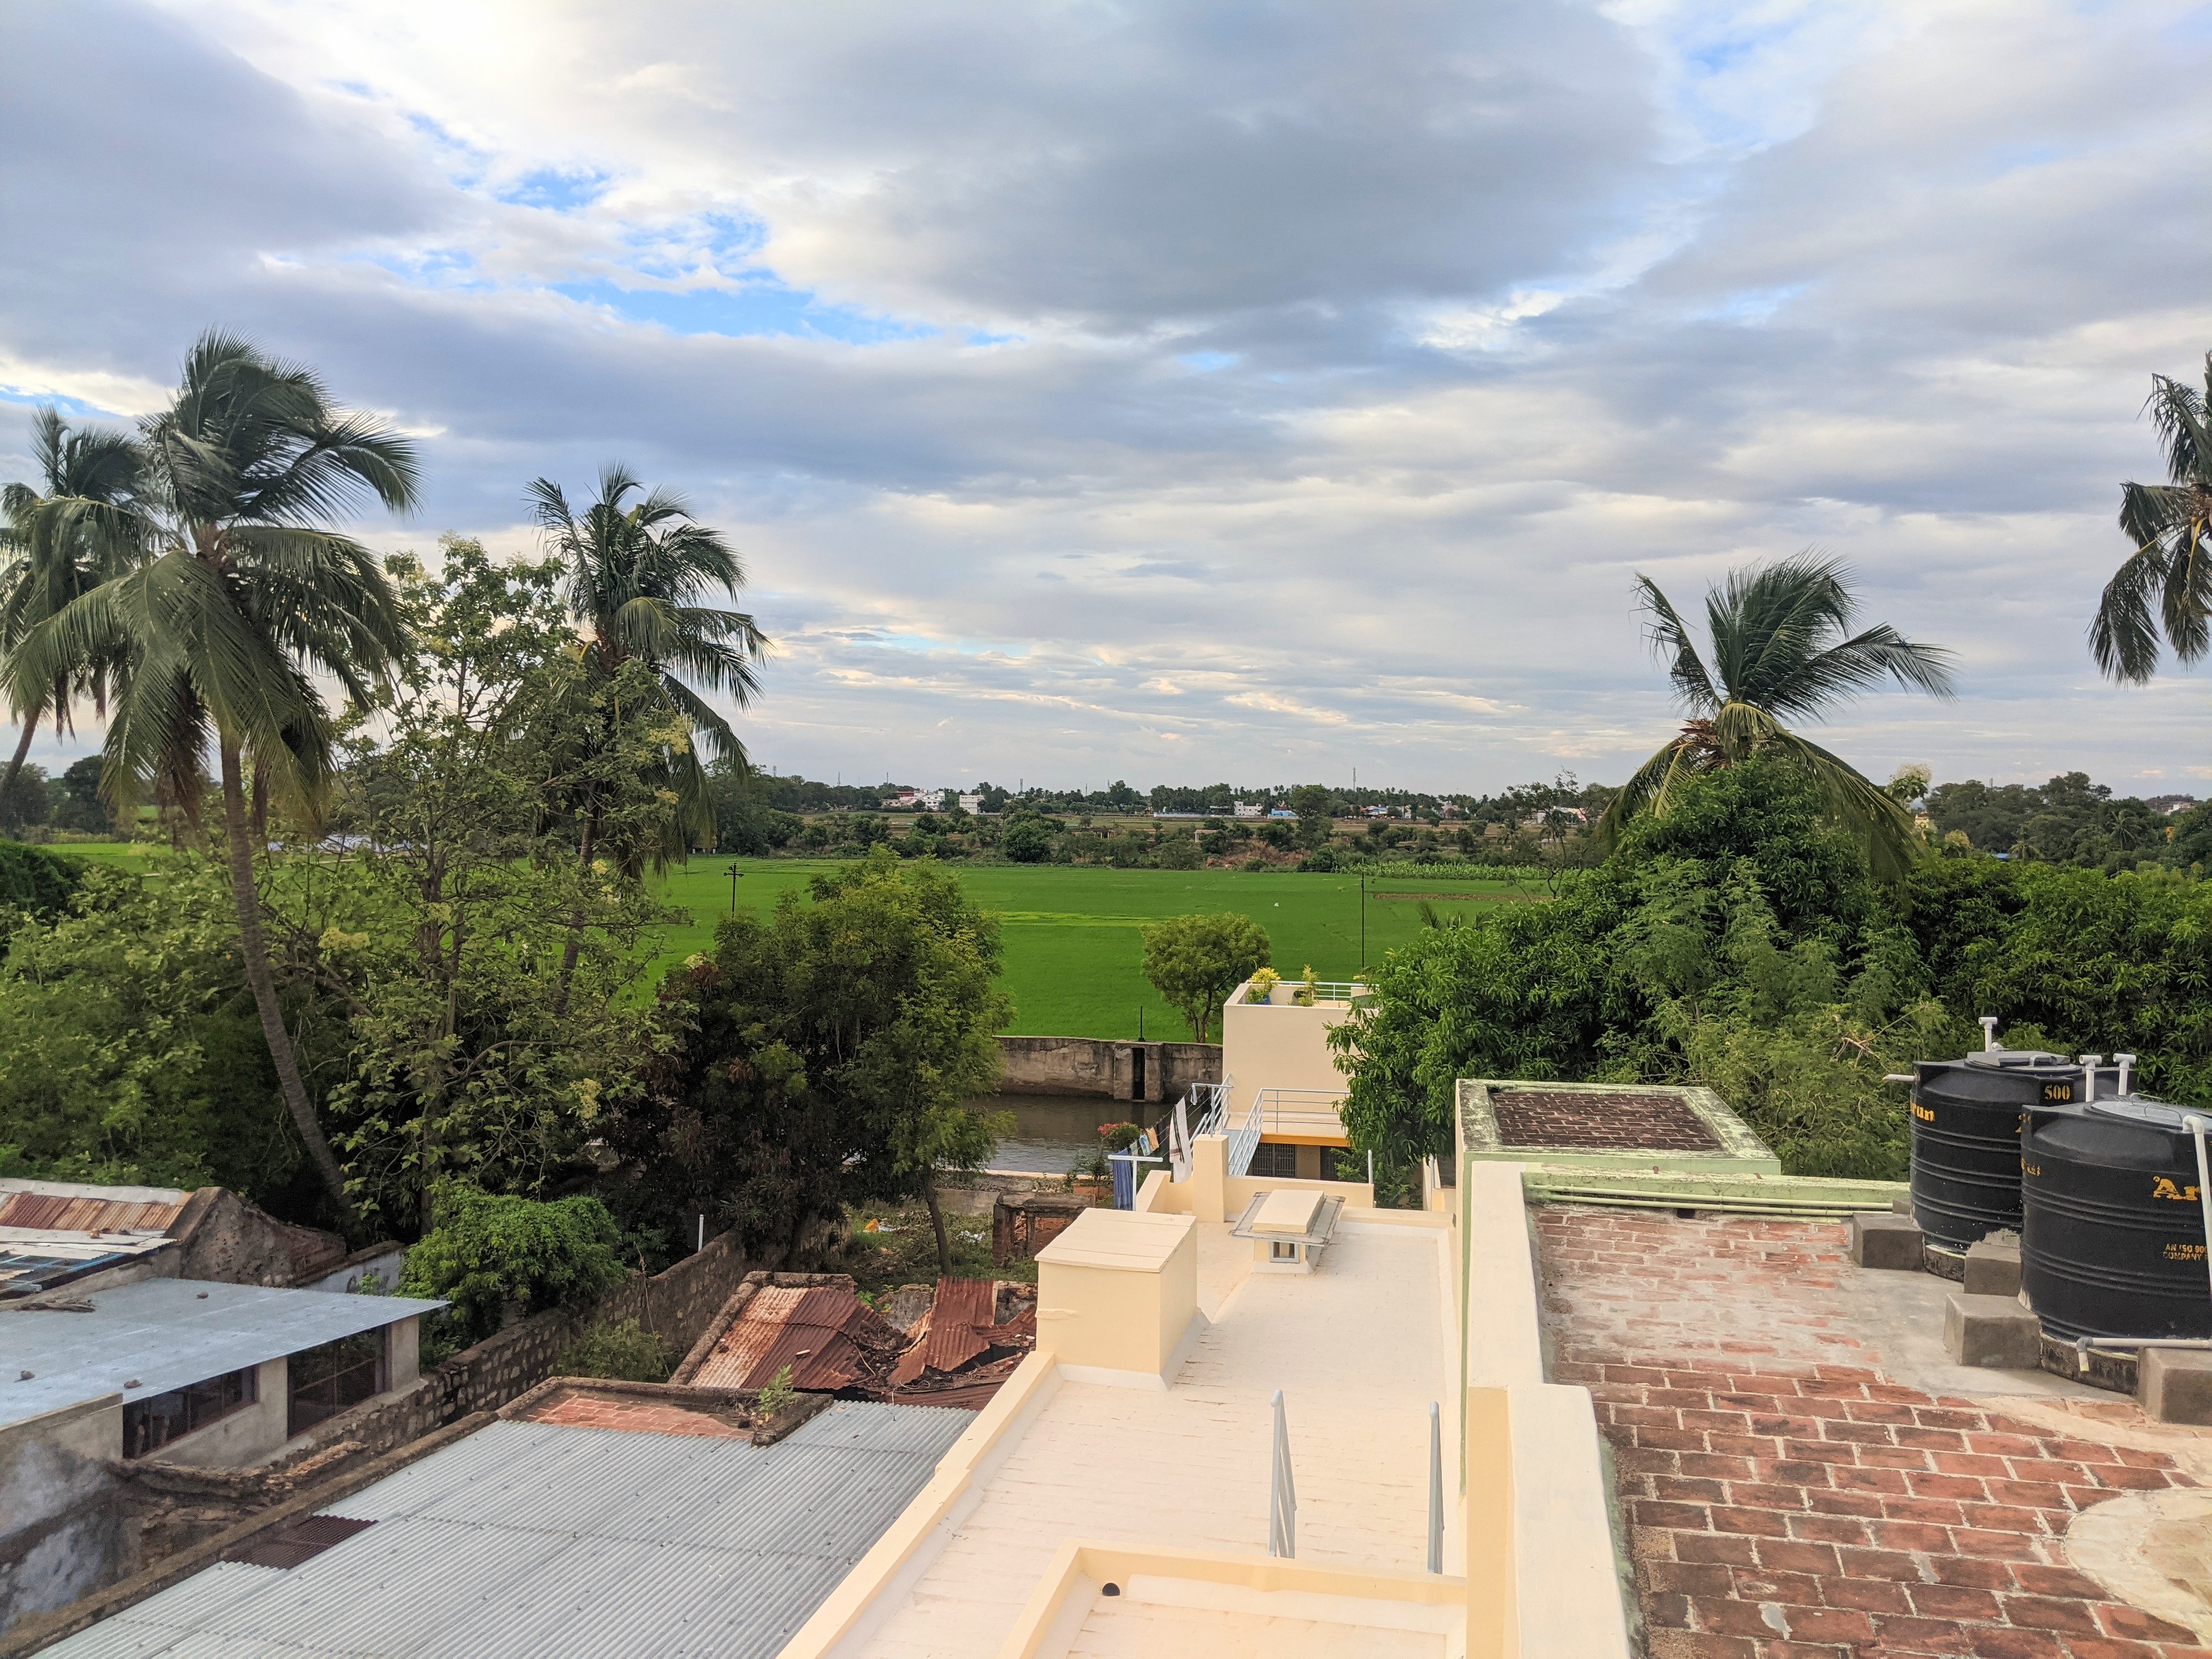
(626, 1353)
(489, 1252)
(777, 1394)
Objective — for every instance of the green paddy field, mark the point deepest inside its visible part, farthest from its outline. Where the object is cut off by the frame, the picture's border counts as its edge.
(1074, 959)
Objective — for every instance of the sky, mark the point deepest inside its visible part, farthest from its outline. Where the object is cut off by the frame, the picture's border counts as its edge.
(1196, 391)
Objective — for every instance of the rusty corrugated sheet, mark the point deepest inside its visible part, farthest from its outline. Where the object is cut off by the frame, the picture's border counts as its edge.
(959, 1322)
(971, 1391)
(829, 1337)
(57, 1213)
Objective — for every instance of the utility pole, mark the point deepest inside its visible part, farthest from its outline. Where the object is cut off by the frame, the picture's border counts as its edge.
(735, 872)
(1363, 917)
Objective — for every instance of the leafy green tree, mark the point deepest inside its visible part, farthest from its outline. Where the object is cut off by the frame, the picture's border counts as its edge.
(1195, 962)
(1990, 815)
(78, 805)
(493, 1252)
(2164, 586)
(1741, 918)
(1027, 840)
(440, 922)
(26, 802)
(245, 601)
(1316, 806)
(829, 1054)
(1783, 650)
(36, 883)
(61, 540)
(130, 1050)
(638, 574)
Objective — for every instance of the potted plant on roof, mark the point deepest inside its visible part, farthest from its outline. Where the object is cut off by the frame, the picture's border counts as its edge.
(1262, 986)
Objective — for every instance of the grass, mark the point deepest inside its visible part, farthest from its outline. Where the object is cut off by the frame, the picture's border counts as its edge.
(1074, 958)
(130, 855)
(881, 1261)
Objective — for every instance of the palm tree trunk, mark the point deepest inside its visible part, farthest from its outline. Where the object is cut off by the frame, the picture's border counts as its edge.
(937, 1222)
(22, 749)
(255, 945)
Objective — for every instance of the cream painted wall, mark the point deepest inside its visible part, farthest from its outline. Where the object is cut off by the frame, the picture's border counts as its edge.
(1278, 1045)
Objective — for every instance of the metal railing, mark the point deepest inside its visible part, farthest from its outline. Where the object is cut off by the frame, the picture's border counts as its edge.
(1436, 1490)
(1244, 1141)
(1200, 1112)
(1324, 990)
(1282, 1491)
(1306, 1112)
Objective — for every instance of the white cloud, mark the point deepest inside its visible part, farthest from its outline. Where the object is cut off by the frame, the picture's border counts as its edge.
(1247, 393)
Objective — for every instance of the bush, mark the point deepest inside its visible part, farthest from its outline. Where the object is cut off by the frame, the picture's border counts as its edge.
(626, 1353)
(1027, 840)
(35, 880)
(488, 1253)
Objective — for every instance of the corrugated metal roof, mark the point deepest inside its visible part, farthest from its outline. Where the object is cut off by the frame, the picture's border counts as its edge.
(531, 1540)
(64, 1207)
(826, 1334)
(957, 1322)
(164, 1333)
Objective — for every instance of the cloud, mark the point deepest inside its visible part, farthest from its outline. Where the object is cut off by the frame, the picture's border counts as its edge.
(1196, 388)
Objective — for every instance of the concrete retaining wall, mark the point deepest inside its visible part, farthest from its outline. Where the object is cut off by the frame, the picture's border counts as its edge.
(1155, 1071)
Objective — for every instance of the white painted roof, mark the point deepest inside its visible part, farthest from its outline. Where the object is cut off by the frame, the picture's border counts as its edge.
(166, 1333)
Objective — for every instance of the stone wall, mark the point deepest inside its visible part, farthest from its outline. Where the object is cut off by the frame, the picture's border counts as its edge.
(1156, 1072)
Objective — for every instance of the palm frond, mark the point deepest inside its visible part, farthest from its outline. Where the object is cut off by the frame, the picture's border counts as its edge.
(1648, 789)
(1863, 808)
(1670, 641)
(2178, 411)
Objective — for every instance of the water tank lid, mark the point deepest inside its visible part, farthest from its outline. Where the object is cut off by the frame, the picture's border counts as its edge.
(2156, 1113)
(2011, 1057)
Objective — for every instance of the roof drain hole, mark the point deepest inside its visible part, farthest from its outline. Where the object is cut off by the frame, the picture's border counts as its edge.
(1112, 1589)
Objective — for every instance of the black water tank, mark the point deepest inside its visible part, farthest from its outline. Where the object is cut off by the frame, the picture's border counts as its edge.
(1965, 1137)
(2112, 1238)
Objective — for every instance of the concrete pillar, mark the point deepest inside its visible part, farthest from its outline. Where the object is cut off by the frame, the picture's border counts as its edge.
(1209, 1177)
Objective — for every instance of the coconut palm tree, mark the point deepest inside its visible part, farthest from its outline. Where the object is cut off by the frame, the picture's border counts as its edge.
(1782, 649)
(60, 541)
(637, 574)
(2166, 585)
(246, 598)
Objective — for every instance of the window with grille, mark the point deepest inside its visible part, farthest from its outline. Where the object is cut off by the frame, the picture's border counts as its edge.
(327, 1380)
(152, 1423)
(1274, 1160)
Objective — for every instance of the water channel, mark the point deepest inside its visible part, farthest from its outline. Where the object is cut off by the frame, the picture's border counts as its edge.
(1054, 1132)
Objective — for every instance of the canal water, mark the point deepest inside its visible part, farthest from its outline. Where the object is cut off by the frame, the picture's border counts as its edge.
(1054, 1132)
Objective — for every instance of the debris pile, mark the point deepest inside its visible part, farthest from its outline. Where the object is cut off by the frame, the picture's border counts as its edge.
(952, 1347)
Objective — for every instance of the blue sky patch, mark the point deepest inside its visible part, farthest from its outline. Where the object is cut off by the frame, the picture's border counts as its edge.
(557, 190)
(756, 308)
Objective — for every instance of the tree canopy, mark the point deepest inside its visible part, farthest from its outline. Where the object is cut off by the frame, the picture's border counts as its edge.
(1783, 650)
(1195, 962)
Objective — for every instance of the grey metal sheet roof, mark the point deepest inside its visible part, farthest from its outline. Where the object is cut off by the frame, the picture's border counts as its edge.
(533, 1540)
(189, 1604)
(167, 1332)
(865, 1425)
